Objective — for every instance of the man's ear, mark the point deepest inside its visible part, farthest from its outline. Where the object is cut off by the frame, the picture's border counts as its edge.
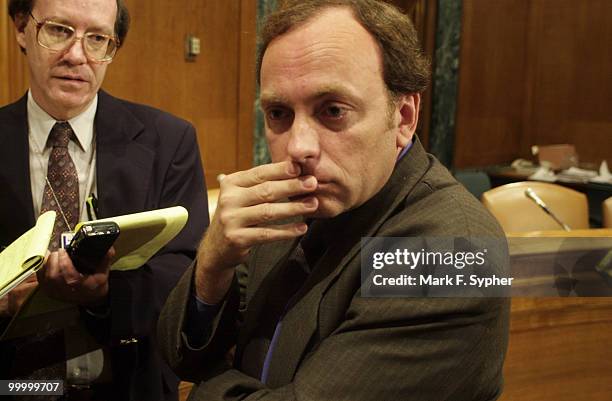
(21, 22)
(408, 107)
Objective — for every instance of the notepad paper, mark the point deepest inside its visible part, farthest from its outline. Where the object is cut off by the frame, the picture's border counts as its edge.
(26, 254)
(141, 235)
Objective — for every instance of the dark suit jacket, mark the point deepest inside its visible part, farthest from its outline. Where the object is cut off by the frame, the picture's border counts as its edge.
(146, 159)
(335, 344)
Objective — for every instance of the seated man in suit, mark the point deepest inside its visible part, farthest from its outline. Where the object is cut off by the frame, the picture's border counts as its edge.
(66, 141)
(340, 90)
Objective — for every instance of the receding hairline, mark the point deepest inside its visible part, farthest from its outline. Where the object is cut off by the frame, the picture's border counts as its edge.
(406, 69)
(315, 14)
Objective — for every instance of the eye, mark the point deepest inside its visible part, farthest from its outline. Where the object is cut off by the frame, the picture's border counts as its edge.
(278, 118)
(333, 111)
(335, 115)
(99, 39)
(277, 113)
(57, 30)
(96, 41)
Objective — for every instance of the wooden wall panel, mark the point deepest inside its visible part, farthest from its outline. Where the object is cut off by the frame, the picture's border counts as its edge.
(13, 68)
(4, 22)
(151, 69)
(492, 71)
(559, 350)
(534, 72)
(572, 78)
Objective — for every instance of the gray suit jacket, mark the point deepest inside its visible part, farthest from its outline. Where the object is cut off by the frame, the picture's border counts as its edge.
(335, 344)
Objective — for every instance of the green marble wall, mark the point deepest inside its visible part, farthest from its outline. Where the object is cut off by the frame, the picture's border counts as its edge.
(260, 149)
(445, 80)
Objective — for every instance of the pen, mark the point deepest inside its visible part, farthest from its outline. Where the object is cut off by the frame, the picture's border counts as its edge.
(92, 207)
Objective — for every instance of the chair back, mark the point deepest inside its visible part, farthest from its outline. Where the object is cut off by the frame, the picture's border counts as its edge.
(476, 182)
(606, 210)
(515, 212)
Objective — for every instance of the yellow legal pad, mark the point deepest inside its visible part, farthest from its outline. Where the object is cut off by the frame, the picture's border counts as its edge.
(141, 236)
(26, 254)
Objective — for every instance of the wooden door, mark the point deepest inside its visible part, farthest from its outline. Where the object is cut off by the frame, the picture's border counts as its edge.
(215, 92)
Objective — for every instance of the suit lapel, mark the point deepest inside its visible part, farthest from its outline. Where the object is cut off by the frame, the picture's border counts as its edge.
(269, 265)
(123, 164)
(344, 234)
(301, 320)
(16, 205)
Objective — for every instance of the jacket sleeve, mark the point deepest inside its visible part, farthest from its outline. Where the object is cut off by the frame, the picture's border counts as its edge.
(191, 363)
(386, 349)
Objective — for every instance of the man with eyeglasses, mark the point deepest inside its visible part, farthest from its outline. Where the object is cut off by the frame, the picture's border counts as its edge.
(64, 142)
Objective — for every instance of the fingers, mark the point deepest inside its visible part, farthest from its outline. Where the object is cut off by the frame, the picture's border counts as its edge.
(49, 268)
(260, 174)
(111, 253)
(27, 286)
(55, 275)
(66, 270)
(264, 184)
(104, 265)
(60, 279)
(19, 294)
(241, 207)
(31, 279)
(269, 212)
(273, 191)
(97, 282)
(247, 208)
(247, 236)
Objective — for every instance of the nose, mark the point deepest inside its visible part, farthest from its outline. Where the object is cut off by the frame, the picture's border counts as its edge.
(303, 146)
(75, 53)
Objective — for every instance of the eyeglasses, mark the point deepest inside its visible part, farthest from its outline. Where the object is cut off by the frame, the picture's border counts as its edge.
(59, 37)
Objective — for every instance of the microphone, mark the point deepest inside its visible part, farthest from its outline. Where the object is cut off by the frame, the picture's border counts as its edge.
(530, 193)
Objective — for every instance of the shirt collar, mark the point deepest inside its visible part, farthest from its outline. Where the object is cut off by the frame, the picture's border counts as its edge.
(405, 150)
(41, 122)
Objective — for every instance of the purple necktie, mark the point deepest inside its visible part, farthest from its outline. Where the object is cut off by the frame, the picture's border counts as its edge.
(64, 189)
